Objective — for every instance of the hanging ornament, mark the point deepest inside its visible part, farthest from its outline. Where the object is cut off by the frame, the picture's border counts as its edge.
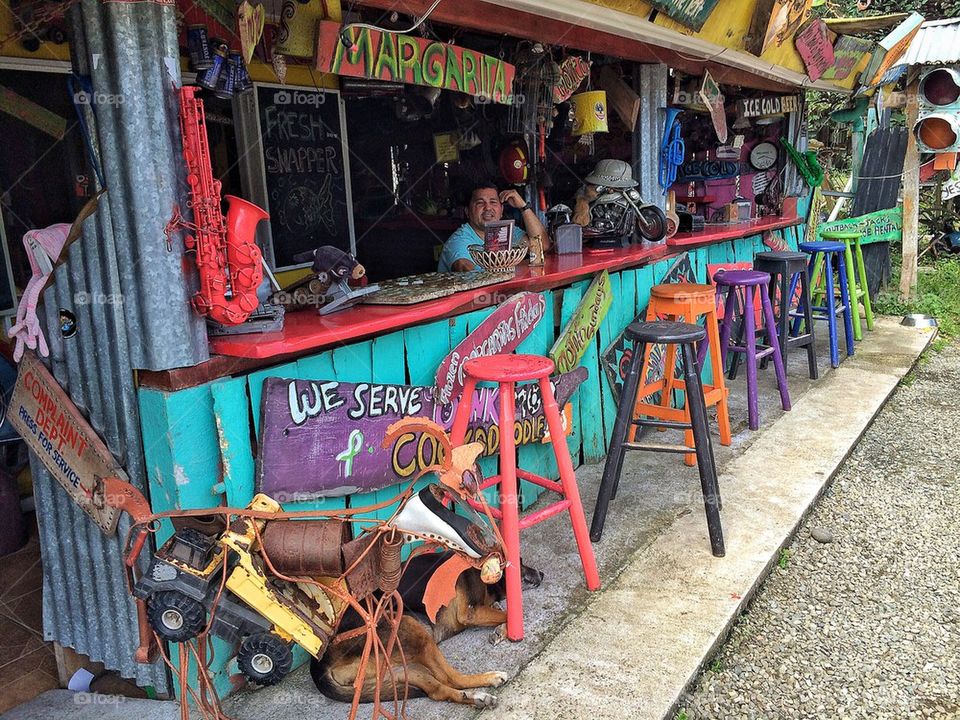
(280, 67)
(251, 21)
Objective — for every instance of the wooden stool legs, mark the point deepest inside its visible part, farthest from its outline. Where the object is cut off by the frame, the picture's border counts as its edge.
(697, 427)
(508, 483)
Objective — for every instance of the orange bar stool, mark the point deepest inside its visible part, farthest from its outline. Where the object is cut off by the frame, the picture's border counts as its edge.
(684, 302)
(507, 371)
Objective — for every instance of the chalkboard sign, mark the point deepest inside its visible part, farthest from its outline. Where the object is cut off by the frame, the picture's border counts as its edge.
(306, 170)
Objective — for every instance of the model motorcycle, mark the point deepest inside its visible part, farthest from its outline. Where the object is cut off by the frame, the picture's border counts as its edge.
(618, 215)
(615, 213)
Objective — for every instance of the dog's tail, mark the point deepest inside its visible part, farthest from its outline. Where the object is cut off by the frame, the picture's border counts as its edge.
(329, 687)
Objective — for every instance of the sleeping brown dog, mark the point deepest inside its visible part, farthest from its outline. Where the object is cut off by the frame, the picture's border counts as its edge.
(427, 673)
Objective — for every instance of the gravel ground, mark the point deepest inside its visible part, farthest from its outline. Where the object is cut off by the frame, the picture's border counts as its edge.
(867, 624)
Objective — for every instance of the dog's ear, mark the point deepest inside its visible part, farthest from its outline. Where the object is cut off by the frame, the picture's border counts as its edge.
(465, 456)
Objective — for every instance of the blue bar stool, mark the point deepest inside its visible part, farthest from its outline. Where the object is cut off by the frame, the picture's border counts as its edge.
(829, 256)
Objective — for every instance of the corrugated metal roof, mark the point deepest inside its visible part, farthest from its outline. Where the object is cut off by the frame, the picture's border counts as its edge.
(936, 43)
(130, 298)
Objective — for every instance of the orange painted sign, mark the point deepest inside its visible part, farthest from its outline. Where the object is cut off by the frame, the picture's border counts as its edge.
(62, 439)
(394, 57)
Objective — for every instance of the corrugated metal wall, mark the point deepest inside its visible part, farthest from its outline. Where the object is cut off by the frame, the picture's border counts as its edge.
(130, 298)
(650, 82)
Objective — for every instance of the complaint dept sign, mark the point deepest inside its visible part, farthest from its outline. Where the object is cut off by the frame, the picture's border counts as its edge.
(62, 440)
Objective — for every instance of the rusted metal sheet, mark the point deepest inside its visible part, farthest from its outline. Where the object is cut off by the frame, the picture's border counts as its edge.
(130, 298)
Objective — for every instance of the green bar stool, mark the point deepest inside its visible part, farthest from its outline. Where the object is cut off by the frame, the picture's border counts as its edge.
(857, 278)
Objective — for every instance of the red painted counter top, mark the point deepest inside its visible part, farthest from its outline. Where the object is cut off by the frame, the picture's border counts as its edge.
(306, 331)
(717, 232)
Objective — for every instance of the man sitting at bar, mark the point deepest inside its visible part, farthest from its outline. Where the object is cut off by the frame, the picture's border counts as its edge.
(486, 206)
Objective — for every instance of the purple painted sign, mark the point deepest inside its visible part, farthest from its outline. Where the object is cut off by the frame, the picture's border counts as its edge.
(500, 333)
(323, 438)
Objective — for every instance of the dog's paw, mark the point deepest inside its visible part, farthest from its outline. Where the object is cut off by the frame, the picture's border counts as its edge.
(497, 678)
(498, 635)
(481, 699)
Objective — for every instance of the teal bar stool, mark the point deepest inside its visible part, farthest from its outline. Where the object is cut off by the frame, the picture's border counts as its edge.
(856, 277)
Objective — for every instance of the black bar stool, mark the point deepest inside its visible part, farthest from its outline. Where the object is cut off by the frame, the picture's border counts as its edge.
(665, 333)
(786, 270)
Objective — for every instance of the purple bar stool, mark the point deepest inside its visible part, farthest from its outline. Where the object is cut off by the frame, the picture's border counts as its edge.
(753, 283)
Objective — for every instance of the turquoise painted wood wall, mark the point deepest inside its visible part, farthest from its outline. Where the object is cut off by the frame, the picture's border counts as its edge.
(199, 442)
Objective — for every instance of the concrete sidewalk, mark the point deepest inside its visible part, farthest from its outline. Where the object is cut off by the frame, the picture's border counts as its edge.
(633, 652)
(631, 649)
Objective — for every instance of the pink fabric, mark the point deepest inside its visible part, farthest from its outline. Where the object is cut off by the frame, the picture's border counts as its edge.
(26, 330)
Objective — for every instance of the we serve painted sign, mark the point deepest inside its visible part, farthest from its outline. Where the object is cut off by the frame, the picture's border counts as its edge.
(323, 438)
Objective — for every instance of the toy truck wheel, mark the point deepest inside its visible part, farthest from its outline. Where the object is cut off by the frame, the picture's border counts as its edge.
(175, 617)
(264, 658)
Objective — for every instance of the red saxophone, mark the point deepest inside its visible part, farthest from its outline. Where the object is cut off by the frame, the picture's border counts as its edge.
(228, 259)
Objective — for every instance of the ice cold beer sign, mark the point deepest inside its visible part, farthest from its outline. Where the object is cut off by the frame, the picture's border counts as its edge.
(770, 105)
(323, 438)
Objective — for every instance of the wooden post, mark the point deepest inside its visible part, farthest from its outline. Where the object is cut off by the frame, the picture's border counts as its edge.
(911, 200)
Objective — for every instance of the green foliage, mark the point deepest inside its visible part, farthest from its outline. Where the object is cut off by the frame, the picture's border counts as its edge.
(930, 9)
(784, 558)
(681, 715)
(938, 294)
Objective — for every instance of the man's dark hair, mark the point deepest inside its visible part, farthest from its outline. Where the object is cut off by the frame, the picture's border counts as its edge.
(479, 185)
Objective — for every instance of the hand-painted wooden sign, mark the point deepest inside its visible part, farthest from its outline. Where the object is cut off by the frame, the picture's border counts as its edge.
(500, 333)
(62, 439)
(786, 16)
(879, 226)
(849, 53)
(951, 188)
(395, 57)
(713, 98)
(576, 337)
(816, 50)
(573, 71)
(616, 358)
(768, 105)
(323, 438)
(892, 47)
(691, 13)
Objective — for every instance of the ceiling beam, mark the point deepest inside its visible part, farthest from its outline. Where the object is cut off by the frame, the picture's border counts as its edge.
(480, 15)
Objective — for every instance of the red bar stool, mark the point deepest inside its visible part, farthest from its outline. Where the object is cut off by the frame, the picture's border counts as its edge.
(507, 371)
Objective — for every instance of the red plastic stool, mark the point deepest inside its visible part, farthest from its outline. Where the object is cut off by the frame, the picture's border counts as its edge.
(507, 371)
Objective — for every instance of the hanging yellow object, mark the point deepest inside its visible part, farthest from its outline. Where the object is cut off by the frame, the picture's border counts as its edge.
(589, 112)
(297, 34)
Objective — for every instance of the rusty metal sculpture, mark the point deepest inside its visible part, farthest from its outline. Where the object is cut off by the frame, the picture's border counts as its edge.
(274, 578)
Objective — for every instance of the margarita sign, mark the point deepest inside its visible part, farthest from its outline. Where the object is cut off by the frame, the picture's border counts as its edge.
(394, 57)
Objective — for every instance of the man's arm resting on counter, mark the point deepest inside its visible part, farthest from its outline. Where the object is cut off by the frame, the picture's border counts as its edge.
(533, 226)
(462, 265)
